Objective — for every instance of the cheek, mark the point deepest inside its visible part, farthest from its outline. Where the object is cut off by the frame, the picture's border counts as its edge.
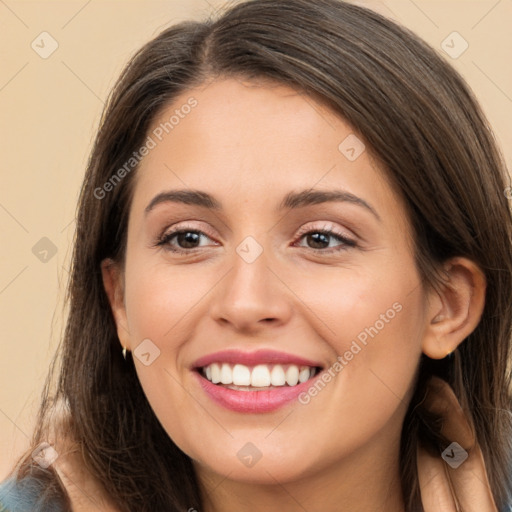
(162, 305)
(374, 323)
(380, 360)
(159, 298)
(376, 313)
(159, 304)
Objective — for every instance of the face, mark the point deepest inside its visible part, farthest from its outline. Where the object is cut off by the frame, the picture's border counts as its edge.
(280, 319)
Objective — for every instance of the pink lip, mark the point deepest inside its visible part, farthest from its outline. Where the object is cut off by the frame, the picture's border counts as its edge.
(234, 356)
(253, 401)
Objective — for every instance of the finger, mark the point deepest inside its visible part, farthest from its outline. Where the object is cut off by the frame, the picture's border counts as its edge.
(436, 493)
(441, 400)
(468, 477)
(471, 485)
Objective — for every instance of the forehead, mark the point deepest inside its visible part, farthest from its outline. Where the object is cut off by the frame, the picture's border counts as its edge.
(254, 142)
(263, 122)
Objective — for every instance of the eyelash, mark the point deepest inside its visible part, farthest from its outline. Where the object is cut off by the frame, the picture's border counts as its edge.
(165, 238)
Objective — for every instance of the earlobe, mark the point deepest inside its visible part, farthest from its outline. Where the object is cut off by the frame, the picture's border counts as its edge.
(114, 288)
(455, 310)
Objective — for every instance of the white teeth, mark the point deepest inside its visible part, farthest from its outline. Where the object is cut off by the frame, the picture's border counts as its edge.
(304, 375)
(241, 375)
(215, 373)
(292, 375)
(226, 374)
(259, 376)
(277, 376)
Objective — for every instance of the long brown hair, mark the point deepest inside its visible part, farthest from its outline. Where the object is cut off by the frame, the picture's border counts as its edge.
(421, 121)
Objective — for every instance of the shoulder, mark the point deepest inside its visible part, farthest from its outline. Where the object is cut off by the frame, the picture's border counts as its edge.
(65, 486)
(41, 490)
(27, 494)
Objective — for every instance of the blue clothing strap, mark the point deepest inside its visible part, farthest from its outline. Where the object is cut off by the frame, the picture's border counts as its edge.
(25, 496)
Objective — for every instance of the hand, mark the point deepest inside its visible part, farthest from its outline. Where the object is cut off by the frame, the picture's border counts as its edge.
(443, 488)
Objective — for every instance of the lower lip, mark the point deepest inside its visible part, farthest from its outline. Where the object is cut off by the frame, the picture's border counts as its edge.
(253, 401)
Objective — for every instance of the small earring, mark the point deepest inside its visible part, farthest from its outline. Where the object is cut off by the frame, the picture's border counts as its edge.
(124, 353)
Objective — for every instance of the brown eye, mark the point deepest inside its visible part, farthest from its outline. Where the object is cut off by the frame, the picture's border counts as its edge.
(181, 240)
(186, 239)
(319, 239)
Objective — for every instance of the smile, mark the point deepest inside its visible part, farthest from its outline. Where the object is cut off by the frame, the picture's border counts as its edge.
(262, 376)
(255, 382)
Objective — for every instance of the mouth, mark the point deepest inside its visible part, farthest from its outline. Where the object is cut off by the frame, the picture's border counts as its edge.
(260, 377)
(255, 382)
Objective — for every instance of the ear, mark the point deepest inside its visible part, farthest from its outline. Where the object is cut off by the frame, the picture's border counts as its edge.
(113, 282)
(454, 312)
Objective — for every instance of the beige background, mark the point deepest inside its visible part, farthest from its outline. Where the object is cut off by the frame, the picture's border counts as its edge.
(50, 109)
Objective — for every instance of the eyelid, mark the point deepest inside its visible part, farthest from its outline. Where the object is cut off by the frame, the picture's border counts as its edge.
(303, 229)
(328, 226)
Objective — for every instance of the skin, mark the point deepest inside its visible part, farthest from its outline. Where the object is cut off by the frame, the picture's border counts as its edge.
(249, 144)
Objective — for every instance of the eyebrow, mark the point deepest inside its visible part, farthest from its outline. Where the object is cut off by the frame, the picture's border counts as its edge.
(292, 200)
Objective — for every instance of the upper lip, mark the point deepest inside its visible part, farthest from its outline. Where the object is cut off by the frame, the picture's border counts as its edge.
(235, 356)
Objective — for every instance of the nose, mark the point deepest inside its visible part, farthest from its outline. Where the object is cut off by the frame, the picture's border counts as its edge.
(252, 296)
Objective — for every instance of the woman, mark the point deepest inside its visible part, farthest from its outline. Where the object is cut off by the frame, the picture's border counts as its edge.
(261, 369)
